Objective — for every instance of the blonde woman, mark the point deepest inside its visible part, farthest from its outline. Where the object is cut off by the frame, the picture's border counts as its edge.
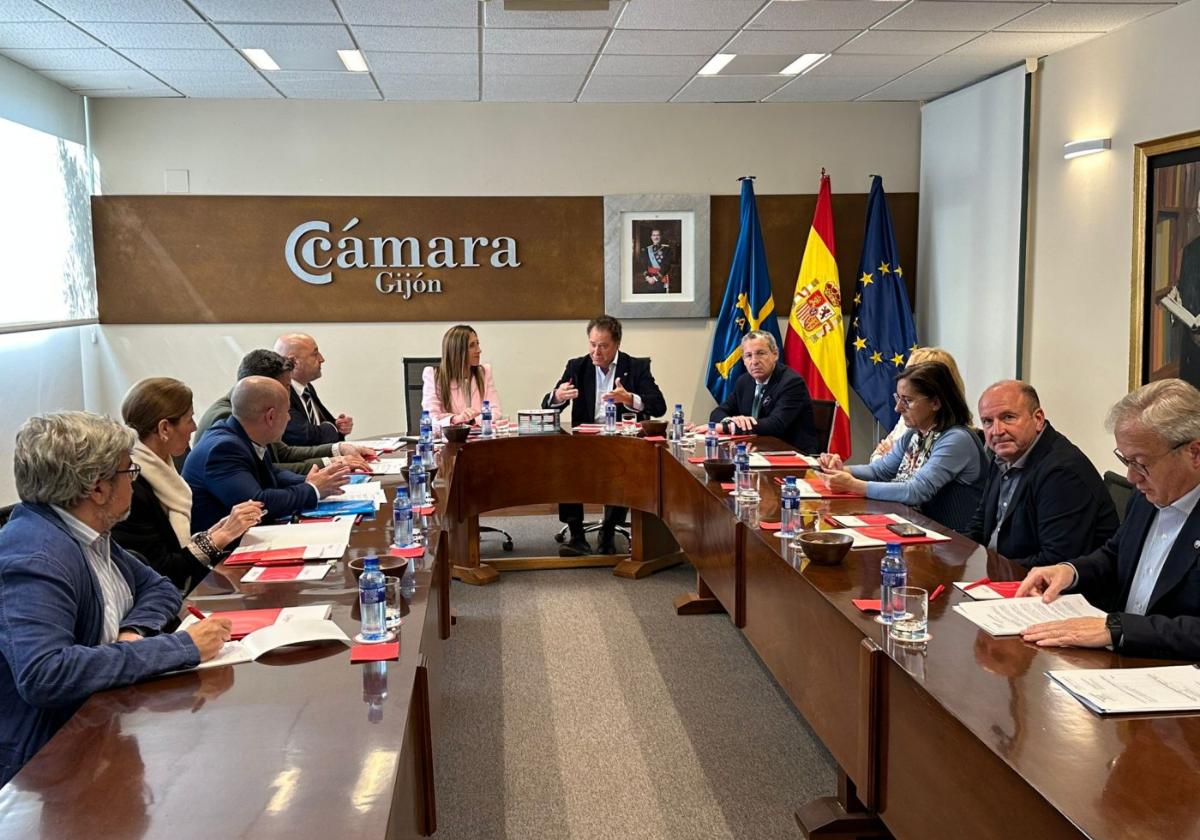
(454, 391)
(920, 356)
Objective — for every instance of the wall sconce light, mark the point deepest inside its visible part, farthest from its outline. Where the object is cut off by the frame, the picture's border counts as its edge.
(1079, 148)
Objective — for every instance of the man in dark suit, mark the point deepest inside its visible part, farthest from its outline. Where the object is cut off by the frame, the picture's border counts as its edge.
(586, 381)
(310, 422)
(232, 464)
(770, 399)
(657, 267)
(1043, 501)
(1147, 576)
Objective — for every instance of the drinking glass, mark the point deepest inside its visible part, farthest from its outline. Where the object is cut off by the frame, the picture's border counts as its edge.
(629, 424)
(394, 602)
(911, 608)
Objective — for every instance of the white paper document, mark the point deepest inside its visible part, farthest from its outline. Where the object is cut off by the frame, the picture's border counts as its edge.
(861, 540)
(983, 592)
(367, 491)
(1168, 688)
(894, 518)
(280, 634)
(309, 571)
(308, 612)
(321, 540)
(385, 444)
(759, 459)
(1009, 616)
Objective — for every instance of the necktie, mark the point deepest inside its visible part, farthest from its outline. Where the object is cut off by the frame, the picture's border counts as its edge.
(310, 406)
(758, 391)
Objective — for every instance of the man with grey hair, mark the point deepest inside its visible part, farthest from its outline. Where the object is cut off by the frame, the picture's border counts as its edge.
(78, 613)
(310, 422)
(232, 464)
(770, 399)
(1145, 575)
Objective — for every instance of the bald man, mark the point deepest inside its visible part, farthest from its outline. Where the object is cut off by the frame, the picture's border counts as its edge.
(310, 422)
(231, 463)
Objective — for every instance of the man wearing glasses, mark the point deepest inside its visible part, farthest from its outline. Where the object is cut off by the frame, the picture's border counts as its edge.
(1147, 575)
(79, 614)
(1043, 502)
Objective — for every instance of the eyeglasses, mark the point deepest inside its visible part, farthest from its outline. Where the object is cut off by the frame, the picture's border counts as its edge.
(905, 402)
(134, 471)
(1143, 467)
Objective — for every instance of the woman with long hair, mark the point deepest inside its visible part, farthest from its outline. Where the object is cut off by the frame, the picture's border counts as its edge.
(919, 356)
(454, 391)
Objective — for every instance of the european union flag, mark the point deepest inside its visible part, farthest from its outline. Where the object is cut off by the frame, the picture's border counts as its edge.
(747, 304)
(881, 333)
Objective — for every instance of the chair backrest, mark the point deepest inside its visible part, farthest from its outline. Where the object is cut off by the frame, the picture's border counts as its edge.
(5, 513)
(413, 366)
(823, 420)
(1119, 490)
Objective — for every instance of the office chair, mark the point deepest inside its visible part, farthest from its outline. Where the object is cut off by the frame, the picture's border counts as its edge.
(823, 412)
(414, 366)
(5, 513)
(1119, 490)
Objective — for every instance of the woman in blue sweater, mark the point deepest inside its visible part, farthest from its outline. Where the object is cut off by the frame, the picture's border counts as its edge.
(938, 467)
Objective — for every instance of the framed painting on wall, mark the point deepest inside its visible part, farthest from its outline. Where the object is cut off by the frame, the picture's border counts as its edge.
(656, 256)
(1165, 297)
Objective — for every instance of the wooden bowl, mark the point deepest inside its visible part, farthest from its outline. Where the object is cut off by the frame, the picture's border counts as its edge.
(720, 469)
(654, 428)
(824, 547)
(389, 565)
(430, 472)
(457, 433)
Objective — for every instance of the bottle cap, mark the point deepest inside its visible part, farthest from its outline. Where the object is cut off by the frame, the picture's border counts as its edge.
(791, 479)
(416, 460)
(401, 492)
(371, 563)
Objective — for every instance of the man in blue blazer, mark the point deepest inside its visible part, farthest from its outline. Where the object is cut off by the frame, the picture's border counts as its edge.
(78, 614)
(232, 464)
(1147, 576)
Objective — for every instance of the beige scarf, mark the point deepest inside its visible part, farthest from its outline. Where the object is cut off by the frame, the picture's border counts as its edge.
(169, 487)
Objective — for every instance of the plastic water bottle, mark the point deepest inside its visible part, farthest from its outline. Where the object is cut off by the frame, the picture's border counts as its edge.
(402, 519)
(426, 427)
(425, 450)
(789, 508)
(485, 420)
(374, 689)
(416, 481)
(372, 601)
(744, 480)
(677, 423)
(712, 443)
(893, 573)
(610, 416)
(408, 581)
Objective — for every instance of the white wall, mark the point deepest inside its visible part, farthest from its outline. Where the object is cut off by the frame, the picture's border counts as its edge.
(1134, 85)
(326, 148)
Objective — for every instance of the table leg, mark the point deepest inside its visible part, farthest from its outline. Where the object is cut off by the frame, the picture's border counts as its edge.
(464, 547)
(700, 602)
(842, 817)
(652, 548)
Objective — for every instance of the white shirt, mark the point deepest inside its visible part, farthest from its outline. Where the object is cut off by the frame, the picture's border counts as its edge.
(604, 384)
(1164, 530)
(114, 590)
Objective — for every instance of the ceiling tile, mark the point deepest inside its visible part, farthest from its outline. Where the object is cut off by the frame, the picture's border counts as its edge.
(649, 65)
(412, 12)
(496, 16)
(176, 36)
(1082, 17)
(124, 11)
(416, 39)
(650, 42)
(932, 16)
(543, 42)
(424, 64)
(25, 11)
(268, 36)
(911, 90)
(1015, 45)
(307, 58)
(269, 11)
(345, 79)
(757, 42)
(430, 88)
(900, 42)
(536, 65)
(730, 88)
(332, 93)
(232, 92)
(1115, 1)
(867, 65)
(212, 78)
(531, 88)
(955, 64)
(69, 59)
(76, 79)
(688, 14)
(223, 59)
(809, 88)
(161, 92)
(822, 14)
(36, 36)
(632, 89)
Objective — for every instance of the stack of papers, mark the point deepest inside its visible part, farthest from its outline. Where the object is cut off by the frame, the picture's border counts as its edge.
(361, 491)
(302, 542)
(1168, 688)
(291, 626)
(875, 526)
(386, 444)
(1009, 616)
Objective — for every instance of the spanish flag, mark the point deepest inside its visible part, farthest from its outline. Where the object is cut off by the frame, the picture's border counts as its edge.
(815, 344)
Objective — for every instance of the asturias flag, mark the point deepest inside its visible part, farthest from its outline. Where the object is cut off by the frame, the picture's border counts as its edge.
(882, 333)
(747, 304)
(815, 344)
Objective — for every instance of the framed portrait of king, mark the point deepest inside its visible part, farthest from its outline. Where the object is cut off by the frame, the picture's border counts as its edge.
(656, 256)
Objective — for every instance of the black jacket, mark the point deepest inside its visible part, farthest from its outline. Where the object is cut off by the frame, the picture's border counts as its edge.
(785, 412)
(300, 430)
(635, 377)
(148, 531)
(1059, 511)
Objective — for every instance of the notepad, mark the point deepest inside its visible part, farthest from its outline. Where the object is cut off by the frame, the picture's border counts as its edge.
(280, 634)
(284, 574)
(1009, 616)
(275, 544)
(989, 591)
(246, 622)
(1108, 691)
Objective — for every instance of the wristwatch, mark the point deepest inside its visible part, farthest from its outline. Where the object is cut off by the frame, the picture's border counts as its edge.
(1113, 623)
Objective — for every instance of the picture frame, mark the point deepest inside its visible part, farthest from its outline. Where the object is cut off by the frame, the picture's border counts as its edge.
(1165, 285)
(656, 256)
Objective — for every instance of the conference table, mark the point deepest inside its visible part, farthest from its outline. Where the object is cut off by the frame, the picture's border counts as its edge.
(963, 736)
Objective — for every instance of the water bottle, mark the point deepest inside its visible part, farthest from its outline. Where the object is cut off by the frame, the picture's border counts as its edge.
(425, 450)
(789, 508)
(374, 689)
(485, 420)
(677, 423)
(893, 573)
(426, 427)
(372, 601)
(402, 519)
(408, 581)
(744, 480)
(610, 416)
(416, 481)
(712, 443)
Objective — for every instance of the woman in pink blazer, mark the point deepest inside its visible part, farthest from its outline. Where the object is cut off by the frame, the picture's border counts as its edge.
(454, 391)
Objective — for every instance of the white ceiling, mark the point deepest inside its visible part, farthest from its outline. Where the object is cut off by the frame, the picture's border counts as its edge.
(469, 50)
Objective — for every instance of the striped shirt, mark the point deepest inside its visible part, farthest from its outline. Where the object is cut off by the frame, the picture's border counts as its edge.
(114, 590)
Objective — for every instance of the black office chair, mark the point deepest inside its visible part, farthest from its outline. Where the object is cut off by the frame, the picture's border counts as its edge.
(823, 411)
(1119, 490)
(5, 513)
(414, 368)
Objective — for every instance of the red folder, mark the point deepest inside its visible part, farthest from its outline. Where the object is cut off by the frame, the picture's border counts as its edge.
(880, 532)
(270, 557)
(247, 621)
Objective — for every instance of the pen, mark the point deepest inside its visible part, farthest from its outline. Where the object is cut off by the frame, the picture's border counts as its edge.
(980, 582)
(940, 589)
(192, 609)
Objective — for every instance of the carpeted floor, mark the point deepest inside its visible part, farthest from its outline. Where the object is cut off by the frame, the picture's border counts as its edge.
(578, 705)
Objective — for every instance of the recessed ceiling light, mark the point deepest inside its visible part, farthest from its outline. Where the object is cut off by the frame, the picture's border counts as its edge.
(261, 59)
(716, 64)
(803, 64)
(354, 61)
